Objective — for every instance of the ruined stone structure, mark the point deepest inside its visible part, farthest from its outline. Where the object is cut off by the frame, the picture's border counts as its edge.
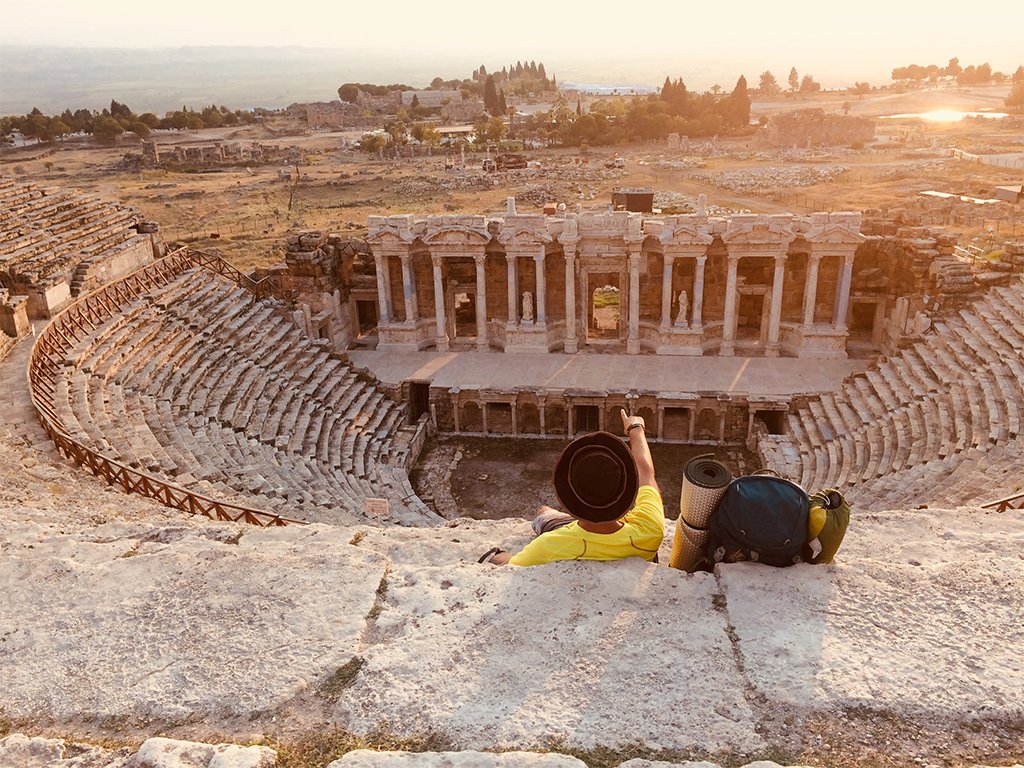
(215, 153)
(763, 285)
(56, 244)
(813, 127)
(819, 287)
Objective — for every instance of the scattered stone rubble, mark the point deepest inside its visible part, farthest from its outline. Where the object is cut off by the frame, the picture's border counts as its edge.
(757, 179)
(39, 752)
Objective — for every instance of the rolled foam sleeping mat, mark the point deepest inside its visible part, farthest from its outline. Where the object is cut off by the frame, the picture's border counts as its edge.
(687, 547)
(704, 483)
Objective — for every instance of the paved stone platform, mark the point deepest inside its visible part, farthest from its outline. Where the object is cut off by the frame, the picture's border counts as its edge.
(399, 630)
(782, 376)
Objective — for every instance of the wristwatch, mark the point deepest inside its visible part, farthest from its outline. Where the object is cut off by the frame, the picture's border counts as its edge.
(487, 556)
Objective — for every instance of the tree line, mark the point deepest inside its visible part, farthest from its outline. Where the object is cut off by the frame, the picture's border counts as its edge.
(608, 121)
(109, 123)
(980, 74)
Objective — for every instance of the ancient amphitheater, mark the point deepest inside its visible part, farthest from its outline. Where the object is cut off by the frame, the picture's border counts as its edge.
(210, 534)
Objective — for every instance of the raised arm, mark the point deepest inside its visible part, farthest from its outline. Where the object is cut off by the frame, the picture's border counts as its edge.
(634, 427)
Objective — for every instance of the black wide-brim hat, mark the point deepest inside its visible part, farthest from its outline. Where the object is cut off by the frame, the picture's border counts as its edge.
(596, 478)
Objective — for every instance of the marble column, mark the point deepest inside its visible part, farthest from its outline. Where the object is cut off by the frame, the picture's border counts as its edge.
(513, 291)
(728, 348)
(515, 424)
(775, 309)
(540, 306)
(383, 287)
(570, 420)
(633, 339)
(571, 342)
(666, 293)
(442, 333)
(698, 294)
(811, 289)
(408, 289)
(481, 304)
(541, 408)
(843, 293)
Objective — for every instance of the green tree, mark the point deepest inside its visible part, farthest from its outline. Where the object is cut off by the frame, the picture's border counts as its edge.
(106, 129)
(738, 110)
(374, 141)
(809, 85)
(140, 129)
(794, 80)
(491, 104)
(768, 85)
(349, 92)
(1015, 99)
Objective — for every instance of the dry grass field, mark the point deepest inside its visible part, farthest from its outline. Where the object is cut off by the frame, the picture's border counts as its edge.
(243, 212)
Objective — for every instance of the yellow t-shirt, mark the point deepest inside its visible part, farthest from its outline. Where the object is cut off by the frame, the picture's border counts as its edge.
(641, 534)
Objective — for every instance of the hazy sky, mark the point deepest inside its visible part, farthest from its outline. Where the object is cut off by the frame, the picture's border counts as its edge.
(837, 42)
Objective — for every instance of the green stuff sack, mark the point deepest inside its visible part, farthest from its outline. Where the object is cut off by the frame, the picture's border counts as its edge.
(837, 518)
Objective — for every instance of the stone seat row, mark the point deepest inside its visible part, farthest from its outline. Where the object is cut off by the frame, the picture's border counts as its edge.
(149, 436)
(165, 387)
(60, 255)
(70, 233)
(63, 218)
(958, 390)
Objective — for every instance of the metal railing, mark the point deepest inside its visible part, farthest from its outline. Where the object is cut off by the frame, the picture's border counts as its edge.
(69, 326)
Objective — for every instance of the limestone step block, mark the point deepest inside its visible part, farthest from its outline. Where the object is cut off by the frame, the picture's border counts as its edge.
(936, 366)
(920, 378)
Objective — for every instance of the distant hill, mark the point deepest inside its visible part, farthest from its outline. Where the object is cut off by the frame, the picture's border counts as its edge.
(159, 80)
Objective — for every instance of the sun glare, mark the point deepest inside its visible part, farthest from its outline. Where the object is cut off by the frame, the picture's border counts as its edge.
(946, 115)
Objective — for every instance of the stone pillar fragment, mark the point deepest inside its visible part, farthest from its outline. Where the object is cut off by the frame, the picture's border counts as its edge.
(775, 309)
(439, 311)
(481, 304)
(698, 294)
(728, 348)
(541, 307)
(571, 342)
(408, 289)
(513, 291)
(811, 289)
(666, 293)
(843, 293)
(633, 339)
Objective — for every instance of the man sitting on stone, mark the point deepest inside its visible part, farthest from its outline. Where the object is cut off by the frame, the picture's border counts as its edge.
(614, 503)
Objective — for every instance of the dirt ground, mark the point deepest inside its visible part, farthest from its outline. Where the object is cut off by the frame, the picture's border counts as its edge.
(244, 212)
(491, 478)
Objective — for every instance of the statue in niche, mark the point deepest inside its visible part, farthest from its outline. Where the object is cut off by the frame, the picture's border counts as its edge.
(527, 307)
(684, 310)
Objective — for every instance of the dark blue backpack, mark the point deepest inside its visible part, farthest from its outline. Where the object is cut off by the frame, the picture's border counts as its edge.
(762, 518)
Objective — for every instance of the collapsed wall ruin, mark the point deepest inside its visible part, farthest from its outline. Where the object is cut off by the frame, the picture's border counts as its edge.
(816, 128)
(215, 153)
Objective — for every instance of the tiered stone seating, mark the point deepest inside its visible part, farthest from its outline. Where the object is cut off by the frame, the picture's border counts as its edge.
(929, 425)
(53, 235)
(203, 385)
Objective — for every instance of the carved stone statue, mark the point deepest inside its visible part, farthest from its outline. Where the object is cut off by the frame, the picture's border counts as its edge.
(684, 310)
(527, 307)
